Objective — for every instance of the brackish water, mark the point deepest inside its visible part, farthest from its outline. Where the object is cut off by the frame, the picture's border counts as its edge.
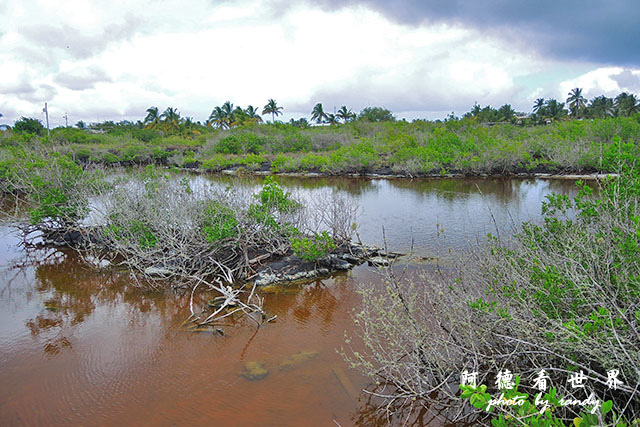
(79, 347)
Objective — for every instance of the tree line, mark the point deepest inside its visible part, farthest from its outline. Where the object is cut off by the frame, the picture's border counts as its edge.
(227, 116)
(546, 110)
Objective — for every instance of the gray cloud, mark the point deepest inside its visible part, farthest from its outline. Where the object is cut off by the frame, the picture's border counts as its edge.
(627, 81)
(82, 79)
(22, 87)
(75, 42)
(604, 32)
(425, 93)
(41, 93)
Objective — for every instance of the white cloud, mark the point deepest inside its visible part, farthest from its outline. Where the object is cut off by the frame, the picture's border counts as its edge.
(125, 56)
(609, 81)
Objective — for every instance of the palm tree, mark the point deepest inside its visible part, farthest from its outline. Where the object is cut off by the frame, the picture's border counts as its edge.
(273, 109)
(171, 117)
(601, 107)
(576, 102)
(153, 117)
(188, 122)
(227, 108)
(332, 119)
(318, 113)
(345, 114)
(537, 106)
(505, 113)
(252, 113)
(219, 118)
(238, 117)
(554, 109)
(626, 104)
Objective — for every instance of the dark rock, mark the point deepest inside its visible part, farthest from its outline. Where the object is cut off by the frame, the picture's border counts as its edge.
(336, 263)
(379, 261)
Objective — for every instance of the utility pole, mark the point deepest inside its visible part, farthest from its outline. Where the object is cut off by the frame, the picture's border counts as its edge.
(46, 114)
(66, 120)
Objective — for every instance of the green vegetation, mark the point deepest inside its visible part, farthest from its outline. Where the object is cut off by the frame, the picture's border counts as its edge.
(561, 296)
(485, 140)
(313, 248)
(29, 126)
(418, 148)
(219, 223)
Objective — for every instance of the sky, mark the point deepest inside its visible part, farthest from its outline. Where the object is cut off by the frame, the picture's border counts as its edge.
(111, 60)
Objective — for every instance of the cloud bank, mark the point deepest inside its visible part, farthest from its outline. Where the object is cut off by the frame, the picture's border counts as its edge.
(425, 59)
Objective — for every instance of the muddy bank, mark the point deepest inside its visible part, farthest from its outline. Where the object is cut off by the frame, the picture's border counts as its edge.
(292, 269)
(388, 173)
(269, 269)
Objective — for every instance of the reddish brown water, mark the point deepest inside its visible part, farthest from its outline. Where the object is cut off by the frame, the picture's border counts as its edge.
(84, 348)
(79, 348)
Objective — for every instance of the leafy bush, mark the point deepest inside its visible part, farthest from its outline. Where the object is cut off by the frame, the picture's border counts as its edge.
(28, 125)
(240, 143)
(252, 161)
(292, 142)
(376, 114)
(219, 223)
(281, 163)
(314, 248)
(273, 201)
(216, 163)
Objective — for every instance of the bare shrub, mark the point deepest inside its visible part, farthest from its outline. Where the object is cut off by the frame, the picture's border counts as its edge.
(165, 226)
(562, 296)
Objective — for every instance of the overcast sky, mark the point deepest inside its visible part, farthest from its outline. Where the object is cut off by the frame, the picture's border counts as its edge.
(111, 60)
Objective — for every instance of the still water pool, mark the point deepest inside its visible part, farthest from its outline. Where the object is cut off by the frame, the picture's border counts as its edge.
(79, 347)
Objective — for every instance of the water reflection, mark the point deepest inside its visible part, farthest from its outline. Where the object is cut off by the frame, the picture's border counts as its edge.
(85, 347)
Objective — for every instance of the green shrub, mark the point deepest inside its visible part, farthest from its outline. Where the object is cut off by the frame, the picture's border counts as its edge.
(314, 248)
(219, 223)
(53, 181)
(280, 163)
(27, 125)
(216, 163)
(292, 142)
(82, 154)
(240, 143)
(313, 162)
(252, 161)
(135, 154)
(109, 158)
(160, 154)
(273, 201)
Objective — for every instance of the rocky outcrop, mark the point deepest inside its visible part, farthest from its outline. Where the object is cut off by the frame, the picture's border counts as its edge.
(291, 269)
